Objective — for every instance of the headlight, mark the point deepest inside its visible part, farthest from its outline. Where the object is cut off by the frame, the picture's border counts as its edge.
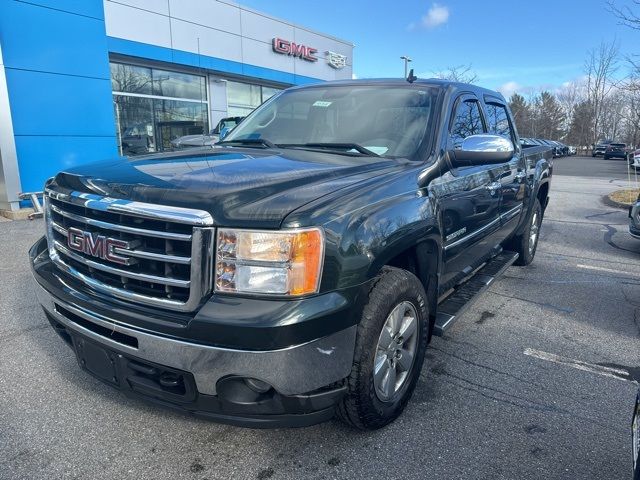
(270, 262)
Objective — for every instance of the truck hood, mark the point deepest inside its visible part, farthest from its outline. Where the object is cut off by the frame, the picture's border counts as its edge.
(238, 187)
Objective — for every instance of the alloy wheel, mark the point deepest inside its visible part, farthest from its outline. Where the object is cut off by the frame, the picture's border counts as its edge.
(396, 351)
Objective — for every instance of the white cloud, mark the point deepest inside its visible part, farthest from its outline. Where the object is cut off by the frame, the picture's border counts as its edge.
(437, 15)
(509, 89)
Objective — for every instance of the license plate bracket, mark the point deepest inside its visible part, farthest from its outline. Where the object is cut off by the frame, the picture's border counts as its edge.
(97, 360)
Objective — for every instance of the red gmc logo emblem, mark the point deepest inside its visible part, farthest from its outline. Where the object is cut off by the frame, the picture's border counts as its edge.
(286, 47)
(98, 246)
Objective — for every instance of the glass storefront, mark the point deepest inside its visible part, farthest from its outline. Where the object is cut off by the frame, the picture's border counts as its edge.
(154, 107)
(243, 98)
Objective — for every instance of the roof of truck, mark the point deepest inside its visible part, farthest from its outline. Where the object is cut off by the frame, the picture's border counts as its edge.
(435, 82)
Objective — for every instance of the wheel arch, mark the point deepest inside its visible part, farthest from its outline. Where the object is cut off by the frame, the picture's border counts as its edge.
(423, 259)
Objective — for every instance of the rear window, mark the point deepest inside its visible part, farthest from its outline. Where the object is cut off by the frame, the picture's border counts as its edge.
(618, 145)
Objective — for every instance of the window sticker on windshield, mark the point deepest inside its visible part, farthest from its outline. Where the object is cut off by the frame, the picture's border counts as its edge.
(321, 103)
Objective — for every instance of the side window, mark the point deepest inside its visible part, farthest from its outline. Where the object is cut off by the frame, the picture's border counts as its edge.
(498, 121)
(467, 121)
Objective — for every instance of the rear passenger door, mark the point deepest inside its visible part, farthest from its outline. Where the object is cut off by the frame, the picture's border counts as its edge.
(469, 197)
(512, 174)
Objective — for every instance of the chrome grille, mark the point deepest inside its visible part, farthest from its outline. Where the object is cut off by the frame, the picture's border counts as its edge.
(169, 250)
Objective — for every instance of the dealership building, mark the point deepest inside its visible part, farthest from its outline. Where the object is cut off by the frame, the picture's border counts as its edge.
(87, 80)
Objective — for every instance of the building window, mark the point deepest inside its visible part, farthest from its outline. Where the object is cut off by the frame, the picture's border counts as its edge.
(243, 98)
(154, 107)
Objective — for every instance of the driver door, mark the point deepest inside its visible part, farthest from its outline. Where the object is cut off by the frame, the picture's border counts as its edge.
(469, 198)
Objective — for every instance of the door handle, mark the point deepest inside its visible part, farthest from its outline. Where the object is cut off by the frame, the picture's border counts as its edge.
(494, 187)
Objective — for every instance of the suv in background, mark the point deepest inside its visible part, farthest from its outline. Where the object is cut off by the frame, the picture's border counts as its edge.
(600, 147)
(616, 150)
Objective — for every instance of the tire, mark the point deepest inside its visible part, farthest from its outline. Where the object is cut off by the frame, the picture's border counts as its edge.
(605, 157)
(523, 243)
(366, 406)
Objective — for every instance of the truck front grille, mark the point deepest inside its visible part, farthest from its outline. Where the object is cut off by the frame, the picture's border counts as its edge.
(142, 253)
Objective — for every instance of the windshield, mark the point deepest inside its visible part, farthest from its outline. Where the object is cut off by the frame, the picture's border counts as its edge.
(388, 121)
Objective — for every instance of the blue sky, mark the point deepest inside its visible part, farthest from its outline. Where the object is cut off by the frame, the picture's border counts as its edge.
(514, 45)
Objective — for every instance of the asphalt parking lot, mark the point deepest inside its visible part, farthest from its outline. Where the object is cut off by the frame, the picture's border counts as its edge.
(527, 385)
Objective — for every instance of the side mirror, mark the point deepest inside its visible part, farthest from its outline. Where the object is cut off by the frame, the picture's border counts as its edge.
(224, 131)
(482, 149)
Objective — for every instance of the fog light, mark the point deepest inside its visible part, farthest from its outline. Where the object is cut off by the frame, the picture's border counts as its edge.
(257, 385)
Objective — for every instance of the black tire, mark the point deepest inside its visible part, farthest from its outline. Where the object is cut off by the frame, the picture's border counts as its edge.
(521, 243)
(361, 407)
(605, 157)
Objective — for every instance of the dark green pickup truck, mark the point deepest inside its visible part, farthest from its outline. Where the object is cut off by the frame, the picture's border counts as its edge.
(299, 268)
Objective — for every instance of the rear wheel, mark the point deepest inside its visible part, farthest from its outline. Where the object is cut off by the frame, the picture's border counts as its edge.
(527, 243)
(390, 345)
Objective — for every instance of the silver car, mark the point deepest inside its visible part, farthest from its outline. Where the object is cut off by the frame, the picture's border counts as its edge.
(190, 141)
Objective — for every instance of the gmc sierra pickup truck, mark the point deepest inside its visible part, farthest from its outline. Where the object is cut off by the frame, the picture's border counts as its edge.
(298, 269)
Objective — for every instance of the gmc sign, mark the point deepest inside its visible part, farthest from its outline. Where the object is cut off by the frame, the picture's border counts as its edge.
(285, 47)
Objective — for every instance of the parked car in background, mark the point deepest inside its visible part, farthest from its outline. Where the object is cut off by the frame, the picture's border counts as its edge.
(600, 147)
(529, 142)
(634, 159)
(616, 150)
(634, 219)
(190, 141)
(572, 150)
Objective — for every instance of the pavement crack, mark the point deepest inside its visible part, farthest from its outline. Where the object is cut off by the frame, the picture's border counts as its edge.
(513, 400)
(501, 372)
(601, 214)
(540, 304)
(18, 333)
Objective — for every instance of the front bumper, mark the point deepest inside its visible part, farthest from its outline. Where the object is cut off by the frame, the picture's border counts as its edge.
(306, 379)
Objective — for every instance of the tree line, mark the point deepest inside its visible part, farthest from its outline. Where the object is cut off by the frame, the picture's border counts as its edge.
(603, 104)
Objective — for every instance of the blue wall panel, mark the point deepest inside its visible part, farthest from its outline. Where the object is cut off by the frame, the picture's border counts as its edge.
(57, 67)
(52, 104)
(47, 40)
(42, 157)
(79, 7)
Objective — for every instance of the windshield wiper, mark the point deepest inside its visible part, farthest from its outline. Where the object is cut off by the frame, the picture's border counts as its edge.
(249, 142)
(332, 146)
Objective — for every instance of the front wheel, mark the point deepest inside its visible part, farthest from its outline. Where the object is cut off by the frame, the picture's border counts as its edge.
(391, 341)
(527, 243)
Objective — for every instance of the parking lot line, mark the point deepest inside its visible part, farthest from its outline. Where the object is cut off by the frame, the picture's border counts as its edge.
(610, 270)
(617, 373)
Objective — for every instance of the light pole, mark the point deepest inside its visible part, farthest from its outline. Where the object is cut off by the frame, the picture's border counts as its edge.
(406, 65)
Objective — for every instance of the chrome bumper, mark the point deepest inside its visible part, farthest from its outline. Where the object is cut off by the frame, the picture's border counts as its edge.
(293, 370)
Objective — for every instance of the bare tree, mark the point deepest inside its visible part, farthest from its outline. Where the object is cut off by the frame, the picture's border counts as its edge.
(458, 73)
(569, 96)
(600, 66)
(628, 15)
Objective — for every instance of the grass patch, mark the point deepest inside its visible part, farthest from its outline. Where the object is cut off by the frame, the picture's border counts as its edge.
(625, 196)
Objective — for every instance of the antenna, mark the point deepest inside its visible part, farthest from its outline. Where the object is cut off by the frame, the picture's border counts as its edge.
(411, 77)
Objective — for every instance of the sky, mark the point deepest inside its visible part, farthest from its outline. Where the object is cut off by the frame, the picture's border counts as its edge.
(517, 45)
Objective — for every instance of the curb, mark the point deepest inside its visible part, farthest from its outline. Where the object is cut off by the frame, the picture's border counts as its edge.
(612, 203)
